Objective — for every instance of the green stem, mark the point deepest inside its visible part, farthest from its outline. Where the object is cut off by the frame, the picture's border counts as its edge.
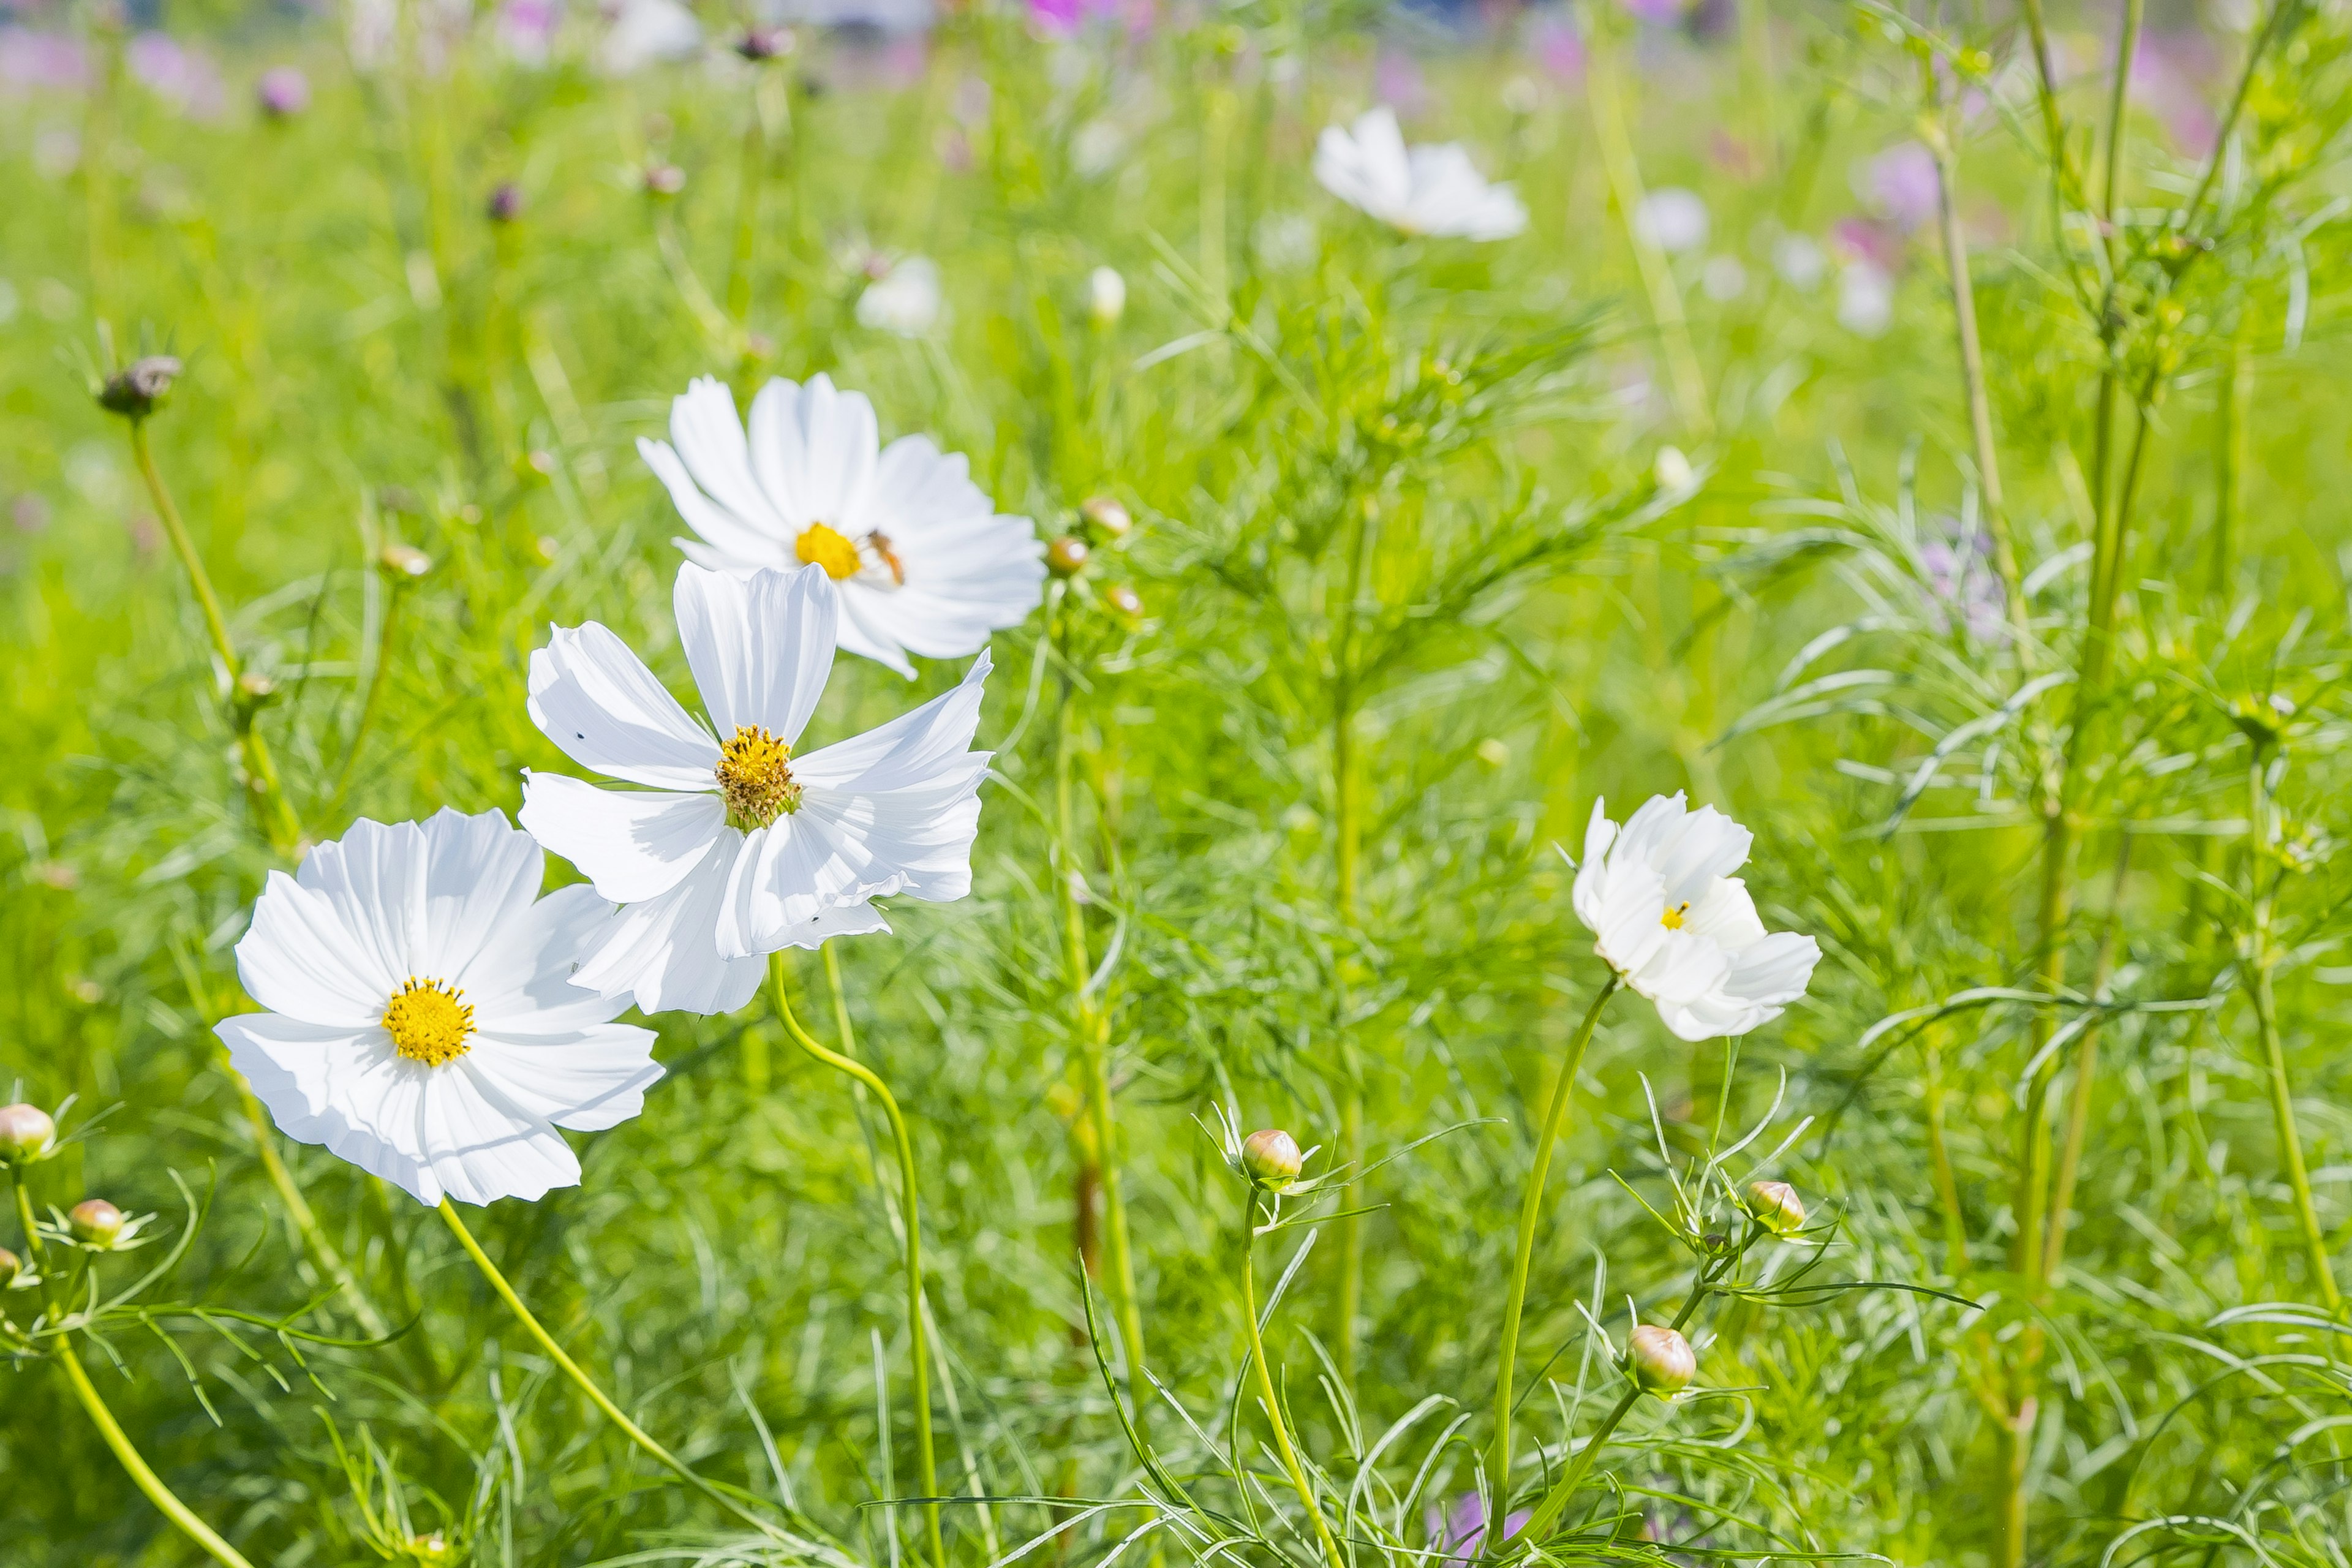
(373, 703)
(1273, 1402)
(916, 1342)
(1498, 1452)
(747, 207)
(587, 1384)
(2086, 1070)
(2118, 101)
(1657, 277)
(1348, 792)
(141, 1475)
(2230, 435)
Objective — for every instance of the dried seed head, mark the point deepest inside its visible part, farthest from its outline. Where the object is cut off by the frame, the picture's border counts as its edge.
(1660, 1361)
(1270, 1157)
(1776, 1207)
(140, 387)
(1066, 556)
(96, 1222)
(26, 1134)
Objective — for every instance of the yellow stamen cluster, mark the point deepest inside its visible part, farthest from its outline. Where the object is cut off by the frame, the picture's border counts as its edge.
(755, 775)
(427, 1023)
(1673, 919)
(829, 548)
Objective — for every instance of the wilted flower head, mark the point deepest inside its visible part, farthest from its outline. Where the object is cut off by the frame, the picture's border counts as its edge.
(282, 92)
(420, 1020)
(504, 203)
(1660, 1360)
(1673, 220)
(1433, 189)
(1677, 926)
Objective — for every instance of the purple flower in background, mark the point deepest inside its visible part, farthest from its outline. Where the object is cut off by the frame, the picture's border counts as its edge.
(42, 62)
(526, 29)
(1900, 184)
(1557, 46)
(1397, 82)
(1066, 18)
(2169, 73)
(1462, 1533)
(185, 78)
(1658, 13)
(1959, 570)
(283, 92)
(1860, 239)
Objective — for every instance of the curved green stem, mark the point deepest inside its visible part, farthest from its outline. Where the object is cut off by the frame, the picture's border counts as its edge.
(373, 703)
(1273, 1402)
(587, 1384)
(1498, 1452)
(916, 1339)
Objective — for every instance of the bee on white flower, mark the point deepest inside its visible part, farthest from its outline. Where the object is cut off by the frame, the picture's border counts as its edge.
(925, 562)
(1679, 928)
(1431, 189)
(738, 845)
(420, 1020)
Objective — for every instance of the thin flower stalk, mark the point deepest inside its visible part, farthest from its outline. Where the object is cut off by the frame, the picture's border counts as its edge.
(919, 1352)
(1272, 1399)
(1625, 190)
(372, 703)
(1498, 1452)
(1347, 791)
(750, 184)
(2086, 1070)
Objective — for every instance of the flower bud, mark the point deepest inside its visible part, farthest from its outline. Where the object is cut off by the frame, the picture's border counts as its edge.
(404, 562)
(1270, 1157)
(1776, 1207)
(664, 179)
(1123, 599)
(1105, 296)
(26, 1134)
(11, 1265)
(1660, 1361)
(1066, 555)
(1671, 470)
(96, 1222)
(254, 689)
(505, 204)
(1106, 516)
(764, 43)
(283, 92)
(137, 388)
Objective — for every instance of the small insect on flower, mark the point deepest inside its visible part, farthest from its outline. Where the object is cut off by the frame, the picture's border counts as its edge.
(926, 563)
(1776, 1206)
(420, 1020)
(1676, 925)
(740, 846)
(1433, 190)
(1659, 1361)
(27, 1134)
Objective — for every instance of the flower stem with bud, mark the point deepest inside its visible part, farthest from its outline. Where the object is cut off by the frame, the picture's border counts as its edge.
(917, 1339)
(1266, 1392)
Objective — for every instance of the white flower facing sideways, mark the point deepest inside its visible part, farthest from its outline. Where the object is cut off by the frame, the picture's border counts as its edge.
(737, 847)
(1433, 189)
(1676, 925)
(420, 1020)
(925, 562)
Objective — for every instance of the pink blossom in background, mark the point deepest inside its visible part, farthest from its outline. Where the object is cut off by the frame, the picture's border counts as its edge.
(1658, 13)
(1733, 154)
(1461, 1533)
(31, 60)
(527, 30)
(282, 92)
(2170, 74)
(182, 77)
(1958, 569)
(894, 63)
(1864, 240)
(1066, 18)
(1900, 184)
(1397, 81)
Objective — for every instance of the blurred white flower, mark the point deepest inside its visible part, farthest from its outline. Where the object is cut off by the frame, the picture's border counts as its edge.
(1679, 928)
(1866, 298)
(1098, 148)
(1286, 242)
(420, 1020)
(1433, 190)
(1673, 220)
(640, 33)
(1105, 296)
(905, 300)
(925, 563)
(737, 847)
(1800, 262)
(1724, 277)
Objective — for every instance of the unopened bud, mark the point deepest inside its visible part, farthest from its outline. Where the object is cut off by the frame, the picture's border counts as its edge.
(1270, 1157)
(404, 562)
(1066, 555)
(1776, 1207)
(1105, 296)
(254, 689)
(11, 1265)
(1106, 516)
(1124, 599)
(283, 92)
(1671, 470)
(96, 1222)
(764, 43)
(137, 388)
(26, 1134)
(505, 204)
(664, 179)
(1660, 1361)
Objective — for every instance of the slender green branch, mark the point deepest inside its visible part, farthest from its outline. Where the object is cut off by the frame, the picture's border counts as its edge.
(2086, 1070)
(1657, 277)
(373, 703)
(1499, 1451)
(2118, 105)
(917, 1339)
(1273, 1400)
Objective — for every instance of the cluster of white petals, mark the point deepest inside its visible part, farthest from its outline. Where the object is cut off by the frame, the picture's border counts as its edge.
(1670, 917)
(1431, 189)
(925, 563)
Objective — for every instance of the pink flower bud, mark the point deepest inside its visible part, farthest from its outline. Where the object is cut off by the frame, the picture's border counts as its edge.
(1270, 1157)
(96, 1222)
(27, 1133)
(1660, 1361)
(1776, 1207)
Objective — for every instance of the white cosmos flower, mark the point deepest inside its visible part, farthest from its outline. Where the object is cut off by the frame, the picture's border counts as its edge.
(906, 300)
(925, 562)
(739, 847)
(1679, 928)
(1433, 190)
(420, 1020)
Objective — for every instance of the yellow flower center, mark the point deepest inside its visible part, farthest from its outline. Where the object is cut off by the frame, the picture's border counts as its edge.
(1673, 919)
(427, 1023)
(822, 546)
(755, 774)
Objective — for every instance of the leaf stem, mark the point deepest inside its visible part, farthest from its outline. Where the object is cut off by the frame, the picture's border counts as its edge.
(1272, 1401)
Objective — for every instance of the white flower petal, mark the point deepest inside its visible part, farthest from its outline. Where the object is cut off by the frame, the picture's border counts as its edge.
(710, 441)
(761, 647)
(298, 958)
(919, 747)
(520, 981)
(598, 702)
(481, 879)
(588, 1079)
(632, 844)
(664, 950)
(480, 1147)
(745, 545)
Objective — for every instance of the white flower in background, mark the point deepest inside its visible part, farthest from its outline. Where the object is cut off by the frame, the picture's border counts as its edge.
(420, 1020)
(1673, 220)
(926, 563)
(1286, 242)
(1105, 296)
(905, 300)
(1433, 190)
(1866, 298)
(1724, 277)
(737, 847)
(1676, 925)
(1800, 262)
(640, 33)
